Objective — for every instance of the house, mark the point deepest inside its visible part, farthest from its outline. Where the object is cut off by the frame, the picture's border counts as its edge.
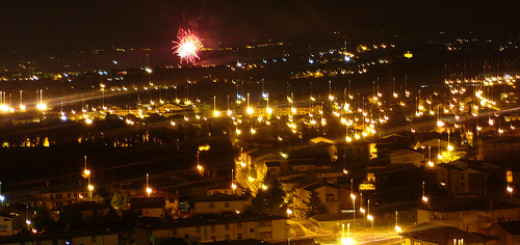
(332, 222)
(54, 200)
(356, 153)
(255, 161)
(469, 214)
(276, 167)
(319, 146)
(464, 176)
(430, 233)
(149, 206)
(392, 183)
(221, 228)
(332, 196)
(329, 175)
(223, 189)
(217, 204)
(391, 143)
(87, 209)
(251, 165)
(507, 232)
(118, 111)
(302, 165)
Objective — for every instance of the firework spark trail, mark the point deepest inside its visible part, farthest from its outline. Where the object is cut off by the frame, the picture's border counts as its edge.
(187, 46)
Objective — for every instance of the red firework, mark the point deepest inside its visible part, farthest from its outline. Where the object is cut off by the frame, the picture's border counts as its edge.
(187, 46)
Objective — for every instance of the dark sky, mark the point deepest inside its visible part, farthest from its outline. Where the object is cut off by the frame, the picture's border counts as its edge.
(55, 25)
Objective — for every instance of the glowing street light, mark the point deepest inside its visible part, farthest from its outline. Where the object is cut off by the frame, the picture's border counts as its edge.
(148, 188)
(86, 173)
(353, 197)
(90, 188)
(424, 199)
(41, 106)
(398, 229)
(371, 218)
(510, 190)
(249, 110)
(289, 212)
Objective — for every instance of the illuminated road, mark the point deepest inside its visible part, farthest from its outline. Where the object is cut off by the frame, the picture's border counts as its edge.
(303, 229)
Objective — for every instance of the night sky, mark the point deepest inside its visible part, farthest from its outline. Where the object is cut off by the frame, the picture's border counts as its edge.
(61, 26)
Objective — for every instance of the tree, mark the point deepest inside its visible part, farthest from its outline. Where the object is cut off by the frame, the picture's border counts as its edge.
(120, 202)
(315, 206)
(269, 200)
(42, 218)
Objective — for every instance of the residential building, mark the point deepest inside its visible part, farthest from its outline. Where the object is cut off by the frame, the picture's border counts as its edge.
(54, 200)
(469, 214)
(85, 237)
(217, 204)
(407, 156)
(499, 149)
(357, 153)
(221, 228)
(149, 206)
(507, 232)
(87, 209)
(436, 234)
(6, 226)
(332, 196)
(464, 176)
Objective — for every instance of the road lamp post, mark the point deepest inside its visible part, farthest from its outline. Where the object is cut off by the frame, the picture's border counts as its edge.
(397, 227)
(102, 86)
(371, 218)
(362, 210)
(510, 190)
(148, 189)
(2, 197)
(87, 175)
(353, 197)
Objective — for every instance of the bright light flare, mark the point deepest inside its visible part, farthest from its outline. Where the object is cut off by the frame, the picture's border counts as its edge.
(41, 107)
(187, 46)
(398, 229)
(424, 199)
(346, 241)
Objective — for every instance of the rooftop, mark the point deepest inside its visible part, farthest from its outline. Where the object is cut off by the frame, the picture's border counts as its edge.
(220, 198)
(466, 204)
(512, 227)
(441, 234)
(147, 202)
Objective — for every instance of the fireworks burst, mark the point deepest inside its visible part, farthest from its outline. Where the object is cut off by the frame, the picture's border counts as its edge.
(187, 46)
